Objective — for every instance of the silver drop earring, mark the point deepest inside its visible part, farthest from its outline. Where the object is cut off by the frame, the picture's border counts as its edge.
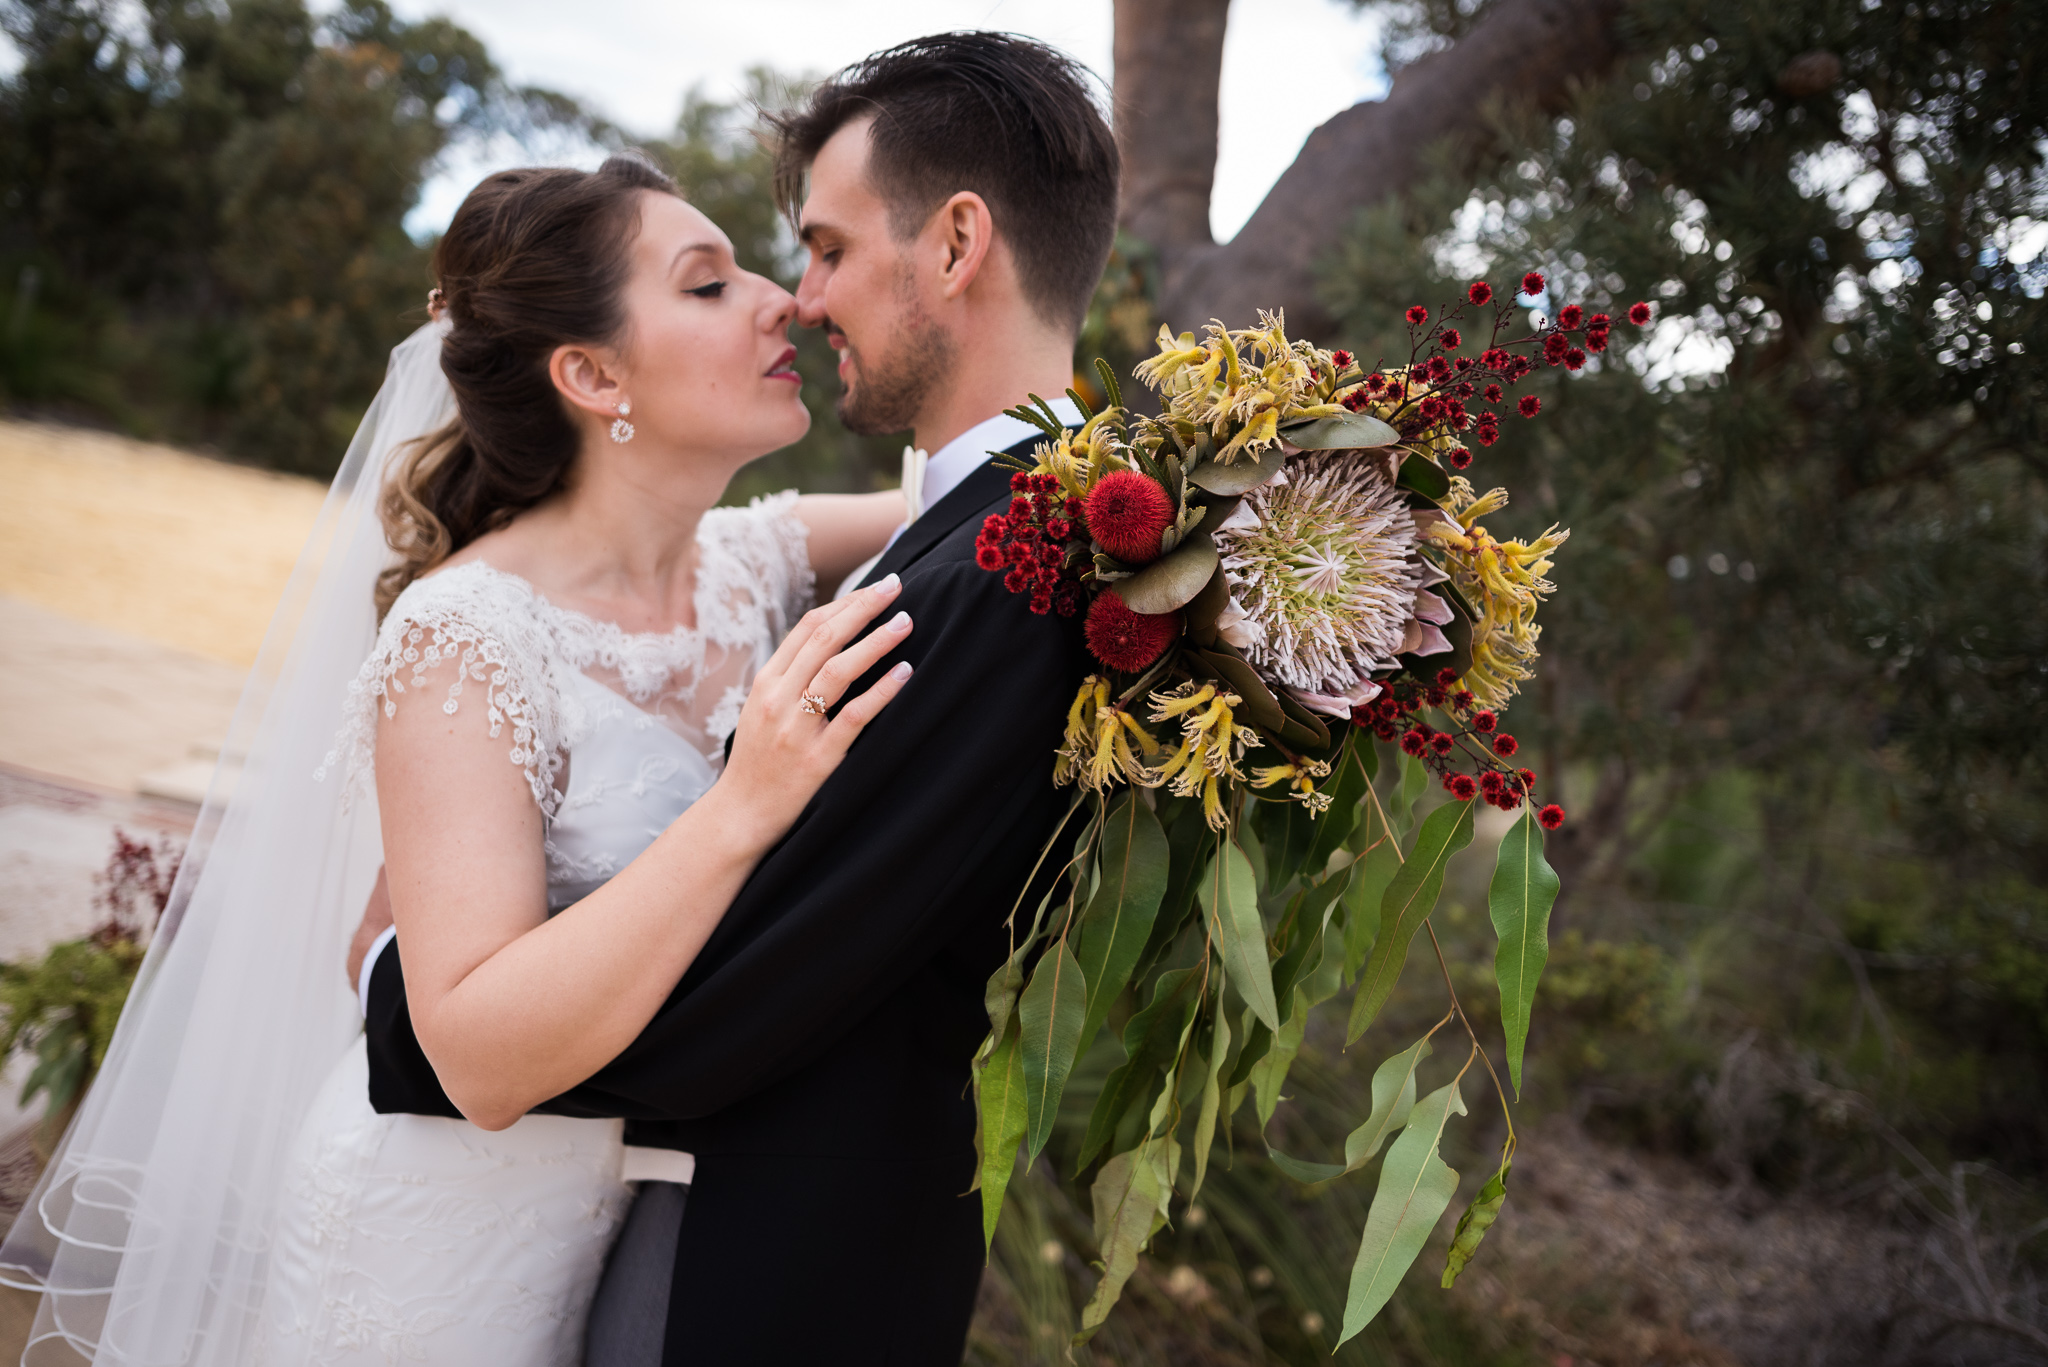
(622, 431)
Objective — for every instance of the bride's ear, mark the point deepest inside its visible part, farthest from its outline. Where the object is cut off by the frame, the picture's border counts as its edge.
(585, 377)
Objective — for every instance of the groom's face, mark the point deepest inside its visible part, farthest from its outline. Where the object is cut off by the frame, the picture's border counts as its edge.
(862, 288)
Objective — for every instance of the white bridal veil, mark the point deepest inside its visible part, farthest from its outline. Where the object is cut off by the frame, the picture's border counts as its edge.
(148, 1235)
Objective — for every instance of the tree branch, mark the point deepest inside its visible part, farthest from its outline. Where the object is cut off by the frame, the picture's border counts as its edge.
(1523, 51)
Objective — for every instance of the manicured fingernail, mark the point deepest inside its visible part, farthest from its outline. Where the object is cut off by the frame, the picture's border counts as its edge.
(901, 671)
(888, 583)
(900, 622)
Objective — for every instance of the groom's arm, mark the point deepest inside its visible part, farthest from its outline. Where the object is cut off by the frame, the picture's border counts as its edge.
(942, 798)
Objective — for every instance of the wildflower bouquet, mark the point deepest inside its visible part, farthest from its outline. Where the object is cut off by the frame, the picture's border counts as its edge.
(1278, 572)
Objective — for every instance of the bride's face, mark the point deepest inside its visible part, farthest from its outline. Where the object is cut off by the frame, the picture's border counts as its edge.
(706, 361)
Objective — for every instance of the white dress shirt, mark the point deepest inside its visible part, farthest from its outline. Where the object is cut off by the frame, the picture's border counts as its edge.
(927, 479)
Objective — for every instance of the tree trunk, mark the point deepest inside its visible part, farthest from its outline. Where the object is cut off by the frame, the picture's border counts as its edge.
(1523, 51)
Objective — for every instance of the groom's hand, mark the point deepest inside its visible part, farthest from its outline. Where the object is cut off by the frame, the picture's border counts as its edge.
(376, 920)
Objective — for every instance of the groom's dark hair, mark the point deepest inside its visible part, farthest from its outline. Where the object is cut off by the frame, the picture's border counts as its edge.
(1008, 118)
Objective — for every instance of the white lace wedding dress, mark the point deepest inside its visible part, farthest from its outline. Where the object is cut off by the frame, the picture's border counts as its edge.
(417, 1239)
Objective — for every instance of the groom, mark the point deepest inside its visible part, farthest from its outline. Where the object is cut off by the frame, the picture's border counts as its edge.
(960, 203)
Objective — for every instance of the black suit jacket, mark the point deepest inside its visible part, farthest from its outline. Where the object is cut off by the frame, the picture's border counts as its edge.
(837, 1006)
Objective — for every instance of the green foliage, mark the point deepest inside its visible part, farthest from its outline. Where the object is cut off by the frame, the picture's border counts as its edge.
(63, 1008)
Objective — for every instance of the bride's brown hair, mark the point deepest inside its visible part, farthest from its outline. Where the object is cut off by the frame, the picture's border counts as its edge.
(532, 260)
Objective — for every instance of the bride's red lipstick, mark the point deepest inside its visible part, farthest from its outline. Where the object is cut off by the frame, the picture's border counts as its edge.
(785, 367)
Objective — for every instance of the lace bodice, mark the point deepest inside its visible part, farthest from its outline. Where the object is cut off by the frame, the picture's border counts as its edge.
(616, 731)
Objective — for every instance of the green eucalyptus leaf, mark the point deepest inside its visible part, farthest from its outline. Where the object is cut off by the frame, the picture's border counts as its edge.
(1130, 1206)
(1408, 899)
(1271, 1073)
(1238, 478)
(1416, 1187)
(1346, 787)
(1212, 1099)
(1379, 859)
(1425, 477)
(1393, 1099)
(1523, 890)
(1473, 1224)
(1150, 1040)
(1305, 951)
(1206, 607)
(1118, 920)
(1002, 1120)
(1171, 581)
(1344, 432)
(1257, 1040)
(1230, 900)
(1050, 1014)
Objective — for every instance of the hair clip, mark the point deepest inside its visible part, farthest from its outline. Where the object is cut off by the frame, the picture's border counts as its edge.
(437, 303)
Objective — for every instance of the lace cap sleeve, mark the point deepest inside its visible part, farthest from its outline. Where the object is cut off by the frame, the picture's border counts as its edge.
(772, 543)
(487, 625)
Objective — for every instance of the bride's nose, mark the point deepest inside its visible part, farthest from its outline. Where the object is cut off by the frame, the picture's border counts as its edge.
(778, 310)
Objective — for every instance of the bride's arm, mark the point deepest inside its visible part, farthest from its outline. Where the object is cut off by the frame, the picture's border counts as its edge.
(845, 529)
(512, 1007)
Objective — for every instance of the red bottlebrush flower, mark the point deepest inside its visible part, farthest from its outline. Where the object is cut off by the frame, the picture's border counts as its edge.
(1460, 786)
(995, 526)
(1639, 313)
(1494, 357)
(1041, 602)
(1488, 435)
(1414, 741)
(1489, 783)
(1451, 340)
(1570, 316)
(1341, 359)
(1438, 367)
(1550, 817)
(1029, 533)
(1461, 458)
(1375, 382)
(1505, 745)
(1020, 509)
(1480, 292)
(1532, 284)
(1020, 483)
(1491, 393)
(1484, 721)
(1466, 389)
(1596, 339)
(1446, 676)
(989, 556)
(1529, 406)
(1574, 359)
(1067, 601)
(1528, 777)
(1600, 321)
(1059, 529)
(1417, 315)
(1554, 347)
(1385, 730)
(1464, 363)
(1510, 798)
(1075, 509)
(1441, 743)
(1017, 580)
(1433, 695)
(1432, 409)
(1127, 512)
(1462, 700)
(1355, 401)
(1128, 640)
(1518, 367)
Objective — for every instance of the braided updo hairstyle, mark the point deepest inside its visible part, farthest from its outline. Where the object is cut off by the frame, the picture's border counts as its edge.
(532, 260)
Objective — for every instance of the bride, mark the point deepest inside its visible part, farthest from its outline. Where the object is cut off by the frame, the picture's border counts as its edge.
(570, 632)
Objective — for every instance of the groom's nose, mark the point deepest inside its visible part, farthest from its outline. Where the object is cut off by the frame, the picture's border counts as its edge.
(810, 296)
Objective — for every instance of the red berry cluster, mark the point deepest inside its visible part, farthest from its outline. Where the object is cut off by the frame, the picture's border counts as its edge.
(1398, 713)
(1435, 394)
(1035, 542)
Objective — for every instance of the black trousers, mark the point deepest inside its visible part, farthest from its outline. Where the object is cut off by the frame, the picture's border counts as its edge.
(856, 1262)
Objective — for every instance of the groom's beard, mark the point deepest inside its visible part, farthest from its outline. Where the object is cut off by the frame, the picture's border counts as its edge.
(890, 390)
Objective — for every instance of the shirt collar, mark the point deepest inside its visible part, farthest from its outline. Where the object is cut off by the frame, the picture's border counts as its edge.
(969, 451)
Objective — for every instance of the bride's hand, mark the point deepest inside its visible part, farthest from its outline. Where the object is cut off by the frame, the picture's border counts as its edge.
(781, 752)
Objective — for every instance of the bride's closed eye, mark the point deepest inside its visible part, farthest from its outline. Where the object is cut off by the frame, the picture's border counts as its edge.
(710, 291)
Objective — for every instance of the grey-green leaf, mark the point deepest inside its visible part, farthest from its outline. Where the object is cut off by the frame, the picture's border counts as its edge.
(1393, 1101)
(1002, 1120)
(1050, 1011)
(1377, 864)
(1118, 920)
(1212, 1100)
(1473, 1224)
(1271, 1073)
(1524, 889)
(1408, 899)
(1237, 478)
(1128, 1212)
(1171, 581)
(1230, 900)
(1416, 1187)
(1348, 431)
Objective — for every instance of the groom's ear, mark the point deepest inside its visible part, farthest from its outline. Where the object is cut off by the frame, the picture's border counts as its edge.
(966, 233)
(583, 377)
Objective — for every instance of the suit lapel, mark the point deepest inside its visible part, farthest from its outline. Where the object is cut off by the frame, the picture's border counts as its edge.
(968, 497)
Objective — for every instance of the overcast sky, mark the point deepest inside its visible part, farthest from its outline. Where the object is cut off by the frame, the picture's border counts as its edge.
(1287, 64)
